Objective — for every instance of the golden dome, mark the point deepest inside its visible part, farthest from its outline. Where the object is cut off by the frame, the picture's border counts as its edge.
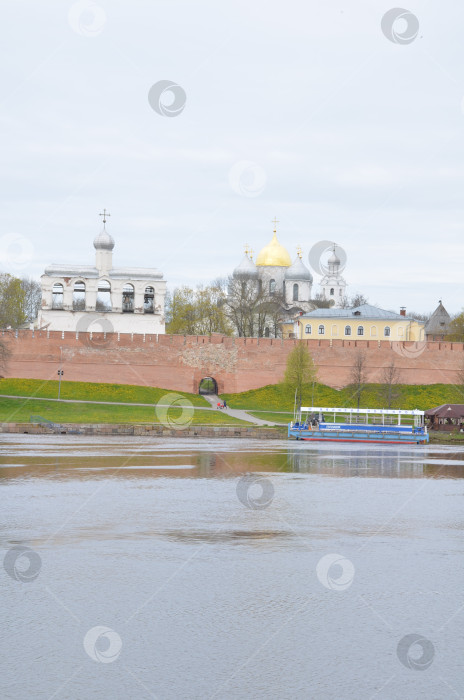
(274, 254)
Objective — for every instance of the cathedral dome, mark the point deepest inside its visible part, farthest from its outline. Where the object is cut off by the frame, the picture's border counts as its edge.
(104, 241)
(334, 260)
(247, 268)
(298, 271)
(274, 254)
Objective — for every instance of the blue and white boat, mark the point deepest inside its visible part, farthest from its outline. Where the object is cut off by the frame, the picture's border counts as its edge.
(359, 425)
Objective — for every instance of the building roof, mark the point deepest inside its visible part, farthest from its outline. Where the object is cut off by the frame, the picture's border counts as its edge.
(447, 410)
(104, 240)
(365, 311)
(274, 255)
(298, 271)
(90, 272)
(439, 321)
(247, 268)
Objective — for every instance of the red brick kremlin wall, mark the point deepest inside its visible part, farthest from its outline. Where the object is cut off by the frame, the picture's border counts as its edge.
(237, 364)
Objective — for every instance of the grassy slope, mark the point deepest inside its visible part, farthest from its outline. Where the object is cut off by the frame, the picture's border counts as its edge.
(86, 391)
(21, 410)
(275, 397)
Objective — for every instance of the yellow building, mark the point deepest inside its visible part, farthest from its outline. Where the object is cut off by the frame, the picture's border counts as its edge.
(364, 322)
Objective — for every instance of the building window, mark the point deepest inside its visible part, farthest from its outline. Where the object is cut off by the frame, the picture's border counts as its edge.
(308, 329)
(149, 301)
(266, 332)
(332, 291)
(347, 330)
(103, 302)
(57, 298)
(128, 298)
(79, 296)
(400, 331)
(374, 331)
(272, 286)
(334, 330)
(386, 331)
(321, 329)
(295, 292)
(339, 292)
(360, 330)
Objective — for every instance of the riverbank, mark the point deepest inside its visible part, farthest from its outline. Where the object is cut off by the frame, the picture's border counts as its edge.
(157, 430)
(146, 430)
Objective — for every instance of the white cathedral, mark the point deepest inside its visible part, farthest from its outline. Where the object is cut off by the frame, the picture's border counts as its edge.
(275, 272)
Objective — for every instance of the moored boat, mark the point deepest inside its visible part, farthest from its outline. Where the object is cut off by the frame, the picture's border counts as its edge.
(360, 425)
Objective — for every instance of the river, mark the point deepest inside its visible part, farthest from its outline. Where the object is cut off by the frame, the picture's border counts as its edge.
(148, 568)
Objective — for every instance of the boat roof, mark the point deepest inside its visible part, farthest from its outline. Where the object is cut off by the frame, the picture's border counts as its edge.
(364, 411)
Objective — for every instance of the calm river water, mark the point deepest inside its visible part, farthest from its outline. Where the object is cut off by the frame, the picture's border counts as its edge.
(137, 568)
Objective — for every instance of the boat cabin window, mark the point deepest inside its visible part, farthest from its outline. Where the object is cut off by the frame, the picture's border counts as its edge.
(386, 331)
(308, 329)
(347, 330)
(360, 330)
(321, 329)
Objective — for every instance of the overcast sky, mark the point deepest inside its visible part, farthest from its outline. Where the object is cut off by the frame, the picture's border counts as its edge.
(301, 110)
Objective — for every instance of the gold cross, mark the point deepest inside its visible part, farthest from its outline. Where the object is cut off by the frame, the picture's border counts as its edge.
(299, 252)
(104, 215)
(275, 222)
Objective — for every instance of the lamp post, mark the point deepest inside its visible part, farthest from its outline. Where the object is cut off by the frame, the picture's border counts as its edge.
(60, 373)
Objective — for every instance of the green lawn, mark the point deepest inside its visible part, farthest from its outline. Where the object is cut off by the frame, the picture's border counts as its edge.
(282, 418)
(87, 391)
(275, 397)
(21, 410)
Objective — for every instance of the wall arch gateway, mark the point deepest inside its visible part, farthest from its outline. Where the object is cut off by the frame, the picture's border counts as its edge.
(208, 385)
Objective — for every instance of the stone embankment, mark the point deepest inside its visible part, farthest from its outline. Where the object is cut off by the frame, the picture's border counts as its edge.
(106, 429)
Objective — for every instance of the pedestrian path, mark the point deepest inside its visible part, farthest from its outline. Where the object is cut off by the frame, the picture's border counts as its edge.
(213, 399)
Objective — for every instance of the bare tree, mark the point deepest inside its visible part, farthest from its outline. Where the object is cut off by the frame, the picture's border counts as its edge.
(358, 376)
(389, 391)
(251, 309)
(320, 302)
(352, 302)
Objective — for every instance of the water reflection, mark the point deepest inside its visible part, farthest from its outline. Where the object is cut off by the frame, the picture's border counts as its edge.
(84, 458)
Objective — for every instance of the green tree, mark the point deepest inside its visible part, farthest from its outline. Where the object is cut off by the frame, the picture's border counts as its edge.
(32, 298)
(456, 329)
(197, 311)
(300, 370)
(12, 302)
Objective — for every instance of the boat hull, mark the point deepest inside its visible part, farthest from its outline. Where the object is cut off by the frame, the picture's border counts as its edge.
(400, 438)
